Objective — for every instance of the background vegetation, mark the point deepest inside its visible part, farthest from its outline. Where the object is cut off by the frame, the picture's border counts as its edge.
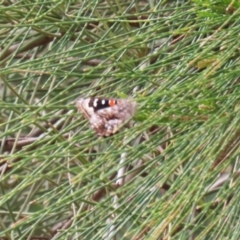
(179, 60)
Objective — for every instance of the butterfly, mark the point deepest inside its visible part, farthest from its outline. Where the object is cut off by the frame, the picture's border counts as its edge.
(106, 116)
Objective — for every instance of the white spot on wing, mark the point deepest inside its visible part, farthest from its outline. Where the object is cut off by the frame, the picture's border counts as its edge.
(95, 102)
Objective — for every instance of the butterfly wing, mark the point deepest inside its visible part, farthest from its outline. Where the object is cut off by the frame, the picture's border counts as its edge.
(107, 121)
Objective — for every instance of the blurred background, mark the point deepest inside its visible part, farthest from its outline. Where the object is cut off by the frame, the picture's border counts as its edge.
(174, 173)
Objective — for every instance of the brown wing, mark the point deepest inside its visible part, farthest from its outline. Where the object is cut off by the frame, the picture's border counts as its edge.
(108, 121)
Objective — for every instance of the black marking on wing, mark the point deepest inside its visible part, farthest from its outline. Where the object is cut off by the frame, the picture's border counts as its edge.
(100, 104)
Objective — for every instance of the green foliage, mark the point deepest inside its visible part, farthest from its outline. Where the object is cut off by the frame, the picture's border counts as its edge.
(179, 60)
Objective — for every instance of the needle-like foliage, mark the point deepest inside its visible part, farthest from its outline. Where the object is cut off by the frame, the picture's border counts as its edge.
(174, 174)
